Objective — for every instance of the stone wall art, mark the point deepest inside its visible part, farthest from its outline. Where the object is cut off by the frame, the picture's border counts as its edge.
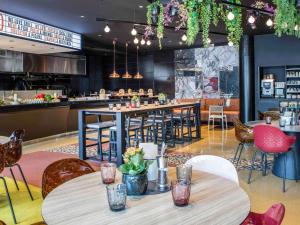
(207, 72)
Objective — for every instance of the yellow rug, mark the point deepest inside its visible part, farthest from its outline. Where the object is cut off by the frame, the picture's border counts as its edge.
(26, 211)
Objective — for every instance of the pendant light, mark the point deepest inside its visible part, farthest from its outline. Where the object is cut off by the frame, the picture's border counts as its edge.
(138, 75)
(114, 73)
(126, 75)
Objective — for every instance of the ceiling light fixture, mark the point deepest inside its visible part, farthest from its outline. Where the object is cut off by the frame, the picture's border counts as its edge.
(184, 37)
(138, 75)
(143, 41)
(82, 16)
(296, 28)
(251, 19)
(114, 73)
(148, 42)
(126, 75)
(208, 41)
(141, 6)
(136, 41)
(107, 28)
(99, 35)
(133, 31)
(230, 43)
(230, 16)
(180, 43)
(269, 22)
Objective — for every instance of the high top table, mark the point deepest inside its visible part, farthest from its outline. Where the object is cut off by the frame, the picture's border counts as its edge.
(83, 201)
(120, 123)
(293, 156)
(4, 140)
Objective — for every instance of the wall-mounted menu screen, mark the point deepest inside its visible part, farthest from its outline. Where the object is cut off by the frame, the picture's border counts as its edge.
(28, 29)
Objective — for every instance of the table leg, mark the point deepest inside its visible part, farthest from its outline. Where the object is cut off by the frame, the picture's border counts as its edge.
(120, 122)
(198, 120)
(82, 135)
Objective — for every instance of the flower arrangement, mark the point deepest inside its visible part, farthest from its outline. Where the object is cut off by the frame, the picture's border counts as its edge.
(162, 97)
(135, 99)
(134, 162)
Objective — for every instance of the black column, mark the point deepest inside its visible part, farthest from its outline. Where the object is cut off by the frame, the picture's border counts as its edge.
(247, 91)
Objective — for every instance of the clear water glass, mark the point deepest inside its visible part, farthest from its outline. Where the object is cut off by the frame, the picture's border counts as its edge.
(127, 104)
(110, 106)
(118, 106)
(184, 172)
(145, 103)
(181, 191)
(156, 103)
(282, 122)
(268, 120)
(116, 196)
(108, 172)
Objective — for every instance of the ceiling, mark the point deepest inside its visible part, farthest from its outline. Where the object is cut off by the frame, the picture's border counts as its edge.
(80, 16)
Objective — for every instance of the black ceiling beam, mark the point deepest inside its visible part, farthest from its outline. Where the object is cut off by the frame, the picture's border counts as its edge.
(154, 25)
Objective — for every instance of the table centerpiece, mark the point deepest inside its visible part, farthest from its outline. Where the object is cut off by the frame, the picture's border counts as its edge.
(162, 98)
(134, 171)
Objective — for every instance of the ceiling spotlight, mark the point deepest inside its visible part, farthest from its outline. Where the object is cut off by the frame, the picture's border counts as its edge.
(269, 22)
(143, 41)
(148, 42)
(81, 16)
(180, 43)
(106, 28)
(133, 31)
(230, 16)
(251, 19)
(141, 6)
(208, 40)
(136, 41)
(230, 43)
(184, 37)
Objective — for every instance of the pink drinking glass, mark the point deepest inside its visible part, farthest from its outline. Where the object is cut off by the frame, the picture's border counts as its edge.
(181, 190)
(108, 172)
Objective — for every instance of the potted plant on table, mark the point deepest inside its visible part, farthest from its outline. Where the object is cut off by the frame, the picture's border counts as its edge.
(134, 171)
(134, 101)
(162, 98)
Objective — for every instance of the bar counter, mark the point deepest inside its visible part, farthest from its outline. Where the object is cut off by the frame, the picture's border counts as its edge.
(47, 119)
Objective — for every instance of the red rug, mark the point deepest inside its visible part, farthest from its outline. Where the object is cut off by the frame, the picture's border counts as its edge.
(34, 164)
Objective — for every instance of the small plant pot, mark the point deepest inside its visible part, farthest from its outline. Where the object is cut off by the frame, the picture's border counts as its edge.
(133, 104)
(135, 184)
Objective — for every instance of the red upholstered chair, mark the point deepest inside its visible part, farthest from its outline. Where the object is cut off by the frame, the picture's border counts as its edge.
(271, 140)
(273, 216)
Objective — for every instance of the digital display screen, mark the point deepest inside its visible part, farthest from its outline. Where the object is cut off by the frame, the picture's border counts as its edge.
(28, 29)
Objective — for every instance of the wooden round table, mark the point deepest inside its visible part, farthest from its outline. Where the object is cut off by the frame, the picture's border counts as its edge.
(4, 140)
(293, 156)
(83, 200)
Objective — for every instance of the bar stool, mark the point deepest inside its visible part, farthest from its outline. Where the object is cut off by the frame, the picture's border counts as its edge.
(182, 120)
(99, 127)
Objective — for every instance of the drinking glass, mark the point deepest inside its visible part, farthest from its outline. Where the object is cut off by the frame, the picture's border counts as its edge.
(110, 106)
(181, 190)
(184, 172)
(145, 103)
(119, 106)
(116, 195)
(282, 122)
(156, 103)
(268, 120)
(108, 172)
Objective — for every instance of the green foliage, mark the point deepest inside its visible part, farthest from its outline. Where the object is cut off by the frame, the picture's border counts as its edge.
(233, 27)
(205, 18)
(160, 22)
(162, 97)
(134, 162)
(192, 7)
(215, 12)
(285, 17)
(135, 98)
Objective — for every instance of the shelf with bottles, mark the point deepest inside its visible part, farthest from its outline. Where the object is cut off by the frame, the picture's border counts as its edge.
(292, 73)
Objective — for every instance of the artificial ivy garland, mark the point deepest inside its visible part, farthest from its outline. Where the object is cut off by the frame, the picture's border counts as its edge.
(205, 18)
(160, 23)
(192, 21)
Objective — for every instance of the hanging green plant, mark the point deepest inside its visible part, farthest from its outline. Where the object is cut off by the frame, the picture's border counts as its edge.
(205, 18)
(160, 21)
(192, 7)
(234, 26)
(285, 17)
(215, 13)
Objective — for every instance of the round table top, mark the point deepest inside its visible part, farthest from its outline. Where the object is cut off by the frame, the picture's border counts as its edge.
(287, 128)
(83, 200)
(4, 140)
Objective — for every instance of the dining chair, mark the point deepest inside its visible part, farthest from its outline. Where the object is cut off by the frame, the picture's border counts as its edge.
(13, 154)
(215, 165)
(3, 148)
(217, 112)
(273, 216)
(61, 171)
(271, 141)
(244, 134)
(18, 134)
(182, 120)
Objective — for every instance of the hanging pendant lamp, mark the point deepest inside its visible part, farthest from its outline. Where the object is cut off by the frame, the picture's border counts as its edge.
(114, 74)
(126, 75)
(138, 75)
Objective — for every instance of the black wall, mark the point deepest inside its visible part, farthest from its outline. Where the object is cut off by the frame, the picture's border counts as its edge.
(270, 50)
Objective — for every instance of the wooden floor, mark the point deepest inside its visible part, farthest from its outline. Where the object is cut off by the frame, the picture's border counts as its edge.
(263, 191)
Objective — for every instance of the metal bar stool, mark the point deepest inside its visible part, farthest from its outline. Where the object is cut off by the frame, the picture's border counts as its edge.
(181, 121)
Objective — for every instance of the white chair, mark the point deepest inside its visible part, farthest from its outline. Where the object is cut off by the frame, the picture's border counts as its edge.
(215, 165)
(217, 112)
